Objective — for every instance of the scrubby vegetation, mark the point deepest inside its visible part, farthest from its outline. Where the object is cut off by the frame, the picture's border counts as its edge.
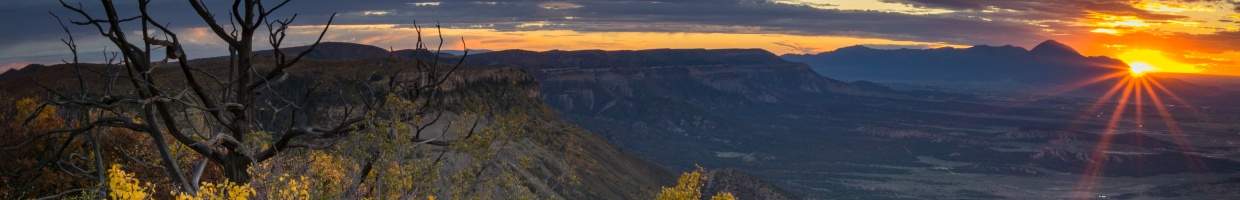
(689, 187)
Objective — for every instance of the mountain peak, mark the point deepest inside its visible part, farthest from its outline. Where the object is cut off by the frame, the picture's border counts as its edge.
(1054, 48)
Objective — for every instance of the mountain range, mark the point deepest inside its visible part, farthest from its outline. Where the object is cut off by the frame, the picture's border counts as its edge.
(1049, 67)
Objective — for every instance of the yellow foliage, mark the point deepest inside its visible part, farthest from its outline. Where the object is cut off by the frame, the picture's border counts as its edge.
(327, 166)
(723, 196)
(123, 186)
(44, 120)
(329, 170)
(224, 191)
(294, 188)
(687, 187)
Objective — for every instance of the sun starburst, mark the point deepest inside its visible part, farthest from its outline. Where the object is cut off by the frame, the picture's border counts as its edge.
(1129, 98)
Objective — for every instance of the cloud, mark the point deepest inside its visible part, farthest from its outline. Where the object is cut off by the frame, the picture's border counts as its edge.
(421, 4)
(1046, 9)
(797, 48)
(559, 5)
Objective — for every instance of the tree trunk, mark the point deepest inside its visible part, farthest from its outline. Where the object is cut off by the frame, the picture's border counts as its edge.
(236, 168)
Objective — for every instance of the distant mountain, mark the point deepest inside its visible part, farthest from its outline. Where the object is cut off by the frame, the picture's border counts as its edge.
(20, 72)
(1052, 48)
(1047, 65)
(351, 51)
(753, 74)
(627, 58)
(333, 51)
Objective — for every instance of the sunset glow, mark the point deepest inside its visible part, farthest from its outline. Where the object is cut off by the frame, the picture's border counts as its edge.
(1145, 60)
(1140, 68)
(395, 36)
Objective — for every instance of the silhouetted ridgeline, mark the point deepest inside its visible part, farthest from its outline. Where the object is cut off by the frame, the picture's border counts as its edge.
(626, 58)
(1046, 68)
(1048, 63)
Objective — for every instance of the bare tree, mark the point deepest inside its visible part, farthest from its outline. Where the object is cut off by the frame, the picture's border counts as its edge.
(233, 111)
(232, 106)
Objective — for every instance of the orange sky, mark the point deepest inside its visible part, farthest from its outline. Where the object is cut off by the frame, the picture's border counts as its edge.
(1170, 44)
(391, 35)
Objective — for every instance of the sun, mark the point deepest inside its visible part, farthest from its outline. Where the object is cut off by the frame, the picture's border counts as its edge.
(1142, 61)
(1138, 68)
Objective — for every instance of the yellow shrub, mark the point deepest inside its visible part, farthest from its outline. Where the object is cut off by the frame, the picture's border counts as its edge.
(224, 191)
(723, 196)
(687, 187)
(326, 166)
(123, 186)
(294, 188)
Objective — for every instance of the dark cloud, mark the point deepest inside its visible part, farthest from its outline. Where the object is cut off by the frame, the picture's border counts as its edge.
(718, 16)
(1046, 9)
(586, 15)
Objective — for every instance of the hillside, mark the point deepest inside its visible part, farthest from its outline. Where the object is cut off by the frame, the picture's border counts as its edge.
(552, 159)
